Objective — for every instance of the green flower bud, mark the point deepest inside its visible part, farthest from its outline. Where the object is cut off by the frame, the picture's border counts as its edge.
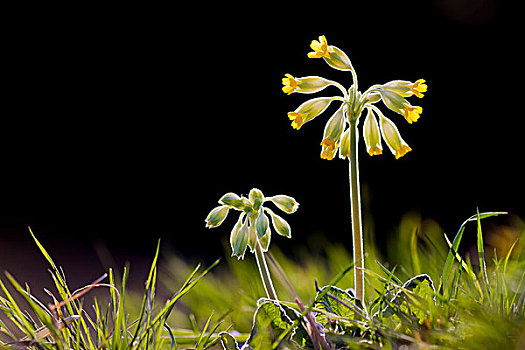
(285, 203)
(232, 200)
(279, 224)
(265, 241)
(261, 224)
(239, 238)
(256, 198)
(217, 216)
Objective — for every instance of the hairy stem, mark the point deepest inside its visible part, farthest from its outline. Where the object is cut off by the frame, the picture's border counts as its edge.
(355, 201)
(264, 272)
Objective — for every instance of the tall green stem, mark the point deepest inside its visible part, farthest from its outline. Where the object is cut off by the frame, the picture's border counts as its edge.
(264, 272)
(355, 201)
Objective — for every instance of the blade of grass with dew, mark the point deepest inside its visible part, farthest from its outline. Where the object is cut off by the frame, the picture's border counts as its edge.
(447, 268)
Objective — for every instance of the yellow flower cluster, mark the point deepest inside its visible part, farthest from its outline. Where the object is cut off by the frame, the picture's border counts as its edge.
(337, 132)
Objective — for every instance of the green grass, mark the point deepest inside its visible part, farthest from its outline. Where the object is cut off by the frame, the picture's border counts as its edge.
(428, 291)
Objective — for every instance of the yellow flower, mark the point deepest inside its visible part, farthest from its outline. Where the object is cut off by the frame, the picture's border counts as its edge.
(411, 113)
(329, 148)
(418, 88)
(320, 48)
(393, 139)
(297, 119)
(372, 134)
(290, 84)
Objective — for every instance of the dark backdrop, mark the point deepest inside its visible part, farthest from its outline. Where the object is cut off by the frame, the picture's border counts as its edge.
(126, 125)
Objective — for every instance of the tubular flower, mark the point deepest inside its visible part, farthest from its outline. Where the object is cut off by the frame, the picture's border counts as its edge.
(411, 113)
(393, 139)
(320, 48)
(290, 84)
(297, 119)
(418, 88)
(372, 135)
(329, 148)
(305, 85)
(309, 110)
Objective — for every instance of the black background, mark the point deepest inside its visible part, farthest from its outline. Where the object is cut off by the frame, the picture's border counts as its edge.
(126, 125)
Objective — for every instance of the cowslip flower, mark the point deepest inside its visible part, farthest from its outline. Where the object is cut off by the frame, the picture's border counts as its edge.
(332, 55)
(309, 110)
(306, 85)
(371, 135)
(392, 138)
(411, 113)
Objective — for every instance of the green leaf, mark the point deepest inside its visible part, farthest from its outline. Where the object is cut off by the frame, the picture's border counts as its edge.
(334, 300)
(270, 321)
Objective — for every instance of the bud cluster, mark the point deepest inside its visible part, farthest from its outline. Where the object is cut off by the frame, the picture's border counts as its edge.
(253, 224)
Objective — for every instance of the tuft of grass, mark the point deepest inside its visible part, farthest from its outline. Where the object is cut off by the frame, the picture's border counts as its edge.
(66, 324)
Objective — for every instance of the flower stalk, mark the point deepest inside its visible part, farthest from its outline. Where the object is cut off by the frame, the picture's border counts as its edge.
(355, 203)
(264, 272)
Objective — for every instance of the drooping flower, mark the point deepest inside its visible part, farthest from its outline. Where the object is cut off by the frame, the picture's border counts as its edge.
(372, 135)
(328, 150)
(393, 139)
(411, 113)
(297, 119)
